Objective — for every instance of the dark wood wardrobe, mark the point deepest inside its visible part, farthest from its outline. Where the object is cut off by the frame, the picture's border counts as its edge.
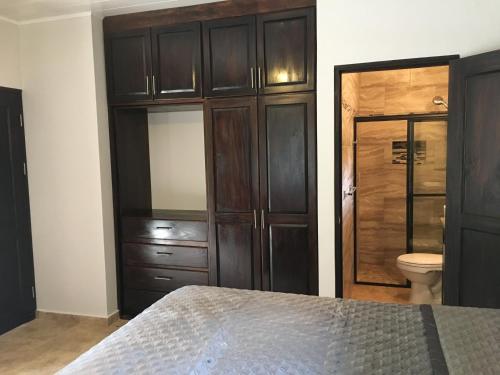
(251, 64)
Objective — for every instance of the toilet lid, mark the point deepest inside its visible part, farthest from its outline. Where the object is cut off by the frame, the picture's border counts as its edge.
(422, 259)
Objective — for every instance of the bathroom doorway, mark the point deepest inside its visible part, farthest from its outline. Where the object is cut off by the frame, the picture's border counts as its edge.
(391, 128)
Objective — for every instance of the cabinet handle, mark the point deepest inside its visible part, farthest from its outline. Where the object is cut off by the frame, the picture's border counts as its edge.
(259, 79)
(163, 253)
(255, 219)
(262, 223)
(167, 228)
(253, 77)
(147, 84)
(164, 278)
(154, 85)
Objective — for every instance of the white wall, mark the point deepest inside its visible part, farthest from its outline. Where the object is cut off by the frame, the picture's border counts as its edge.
(68, 167)
(10, 75)
(177, 160)
(366, 30)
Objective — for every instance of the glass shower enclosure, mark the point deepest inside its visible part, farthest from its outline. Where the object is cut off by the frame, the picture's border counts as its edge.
(400, 174)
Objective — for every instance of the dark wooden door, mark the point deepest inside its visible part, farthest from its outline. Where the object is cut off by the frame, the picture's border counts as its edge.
(233, 189)
(230, 57)
(286, 45)
(17, 285)
(287, 140)
(472, 255)
(177, 61)
(128, 66)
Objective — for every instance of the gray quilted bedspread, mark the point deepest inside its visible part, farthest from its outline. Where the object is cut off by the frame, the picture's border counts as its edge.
(205, 330)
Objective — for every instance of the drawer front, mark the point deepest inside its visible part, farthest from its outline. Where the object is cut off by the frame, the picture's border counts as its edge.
(137, 228)
(162, 280)
(181, 256)
(135, 301)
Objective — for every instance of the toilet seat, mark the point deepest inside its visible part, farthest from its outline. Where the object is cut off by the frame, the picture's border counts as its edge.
(421, 262)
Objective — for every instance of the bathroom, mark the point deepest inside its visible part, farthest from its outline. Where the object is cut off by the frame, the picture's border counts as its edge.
(393, 167)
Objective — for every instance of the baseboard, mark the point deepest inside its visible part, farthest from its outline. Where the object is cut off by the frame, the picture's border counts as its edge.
(47, 314)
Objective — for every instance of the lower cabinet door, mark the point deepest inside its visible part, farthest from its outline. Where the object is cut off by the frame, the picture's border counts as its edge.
(287, 161)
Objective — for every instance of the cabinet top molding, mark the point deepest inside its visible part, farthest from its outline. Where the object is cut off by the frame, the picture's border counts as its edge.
(202, 12)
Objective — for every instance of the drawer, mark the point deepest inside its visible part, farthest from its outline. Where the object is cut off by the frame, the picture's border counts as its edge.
(181, 256)
(139, 228)
(135, 301)
(162, 280)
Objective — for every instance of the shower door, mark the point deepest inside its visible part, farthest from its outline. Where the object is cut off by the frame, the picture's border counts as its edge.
(400, 172)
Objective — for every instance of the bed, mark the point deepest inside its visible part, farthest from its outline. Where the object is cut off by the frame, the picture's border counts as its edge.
(208, 330)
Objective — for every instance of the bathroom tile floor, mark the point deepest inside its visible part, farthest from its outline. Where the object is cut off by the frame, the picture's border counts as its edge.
(380, 294)
(50, 342)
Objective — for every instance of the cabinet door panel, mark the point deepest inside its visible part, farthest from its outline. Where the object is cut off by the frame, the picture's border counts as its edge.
(128, 63)
(289, 266)
(286, 51)
(232, 136)
(233, 189)
(230, 57)
(287, 138)
(235, 245)
(177, 61)
(286, 148)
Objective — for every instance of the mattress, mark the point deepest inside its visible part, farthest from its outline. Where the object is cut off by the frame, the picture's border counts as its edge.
(208, 330)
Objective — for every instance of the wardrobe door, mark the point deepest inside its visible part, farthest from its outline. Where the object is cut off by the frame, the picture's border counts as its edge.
(128, 66)
(232, 171)
(286, 46)
(229, 55)
(17, 283)
(177, 61)
(287, 137)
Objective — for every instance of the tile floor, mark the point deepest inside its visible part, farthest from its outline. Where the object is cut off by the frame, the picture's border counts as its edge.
(48, 343)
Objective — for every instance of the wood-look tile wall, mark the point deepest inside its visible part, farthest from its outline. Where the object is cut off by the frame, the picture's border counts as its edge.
(402, 91)
(380, 202)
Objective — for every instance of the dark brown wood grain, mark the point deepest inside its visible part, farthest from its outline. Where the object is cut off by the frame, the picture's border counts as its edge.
(131, 145)
(162, 280)
(140, 228)
(177, 61)
(229, 57)
(286, 45)
(231, 148)
(472, 256)
(287, 139)
(203, 12)
(128, 66)
(159, 255)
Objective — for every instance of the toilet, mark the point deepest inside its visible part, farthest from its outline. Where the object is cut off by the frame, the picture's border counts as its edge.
(424, 271)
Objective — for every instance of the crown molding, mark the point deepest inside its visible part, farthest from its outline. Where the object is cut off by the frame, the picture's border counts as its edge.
(55, 18)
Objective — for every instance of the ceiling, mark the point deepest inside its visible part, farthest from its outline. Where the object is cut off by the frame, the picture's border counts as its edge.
(28, 10)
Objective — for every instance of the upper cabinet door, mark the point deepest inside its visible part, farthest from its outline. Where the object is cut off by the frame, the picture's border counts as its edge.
(177, 61)
(229, 57)
(286, 51)
(128, 62)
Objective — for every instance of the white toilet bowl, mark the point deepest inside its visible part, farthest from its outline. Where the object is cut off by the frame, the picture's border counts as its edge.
(424, 271)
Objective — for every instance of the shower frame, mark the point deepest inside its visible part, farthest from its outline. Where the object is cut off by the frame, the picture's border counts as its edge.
(410, 119)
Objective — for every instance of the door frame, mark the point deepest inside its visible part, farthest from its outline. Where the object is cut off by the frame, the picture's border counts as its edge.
(358, 68)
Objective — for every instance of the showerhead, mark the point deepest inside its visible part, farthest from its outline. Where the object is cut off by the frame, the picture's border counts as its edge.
(438, 100)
